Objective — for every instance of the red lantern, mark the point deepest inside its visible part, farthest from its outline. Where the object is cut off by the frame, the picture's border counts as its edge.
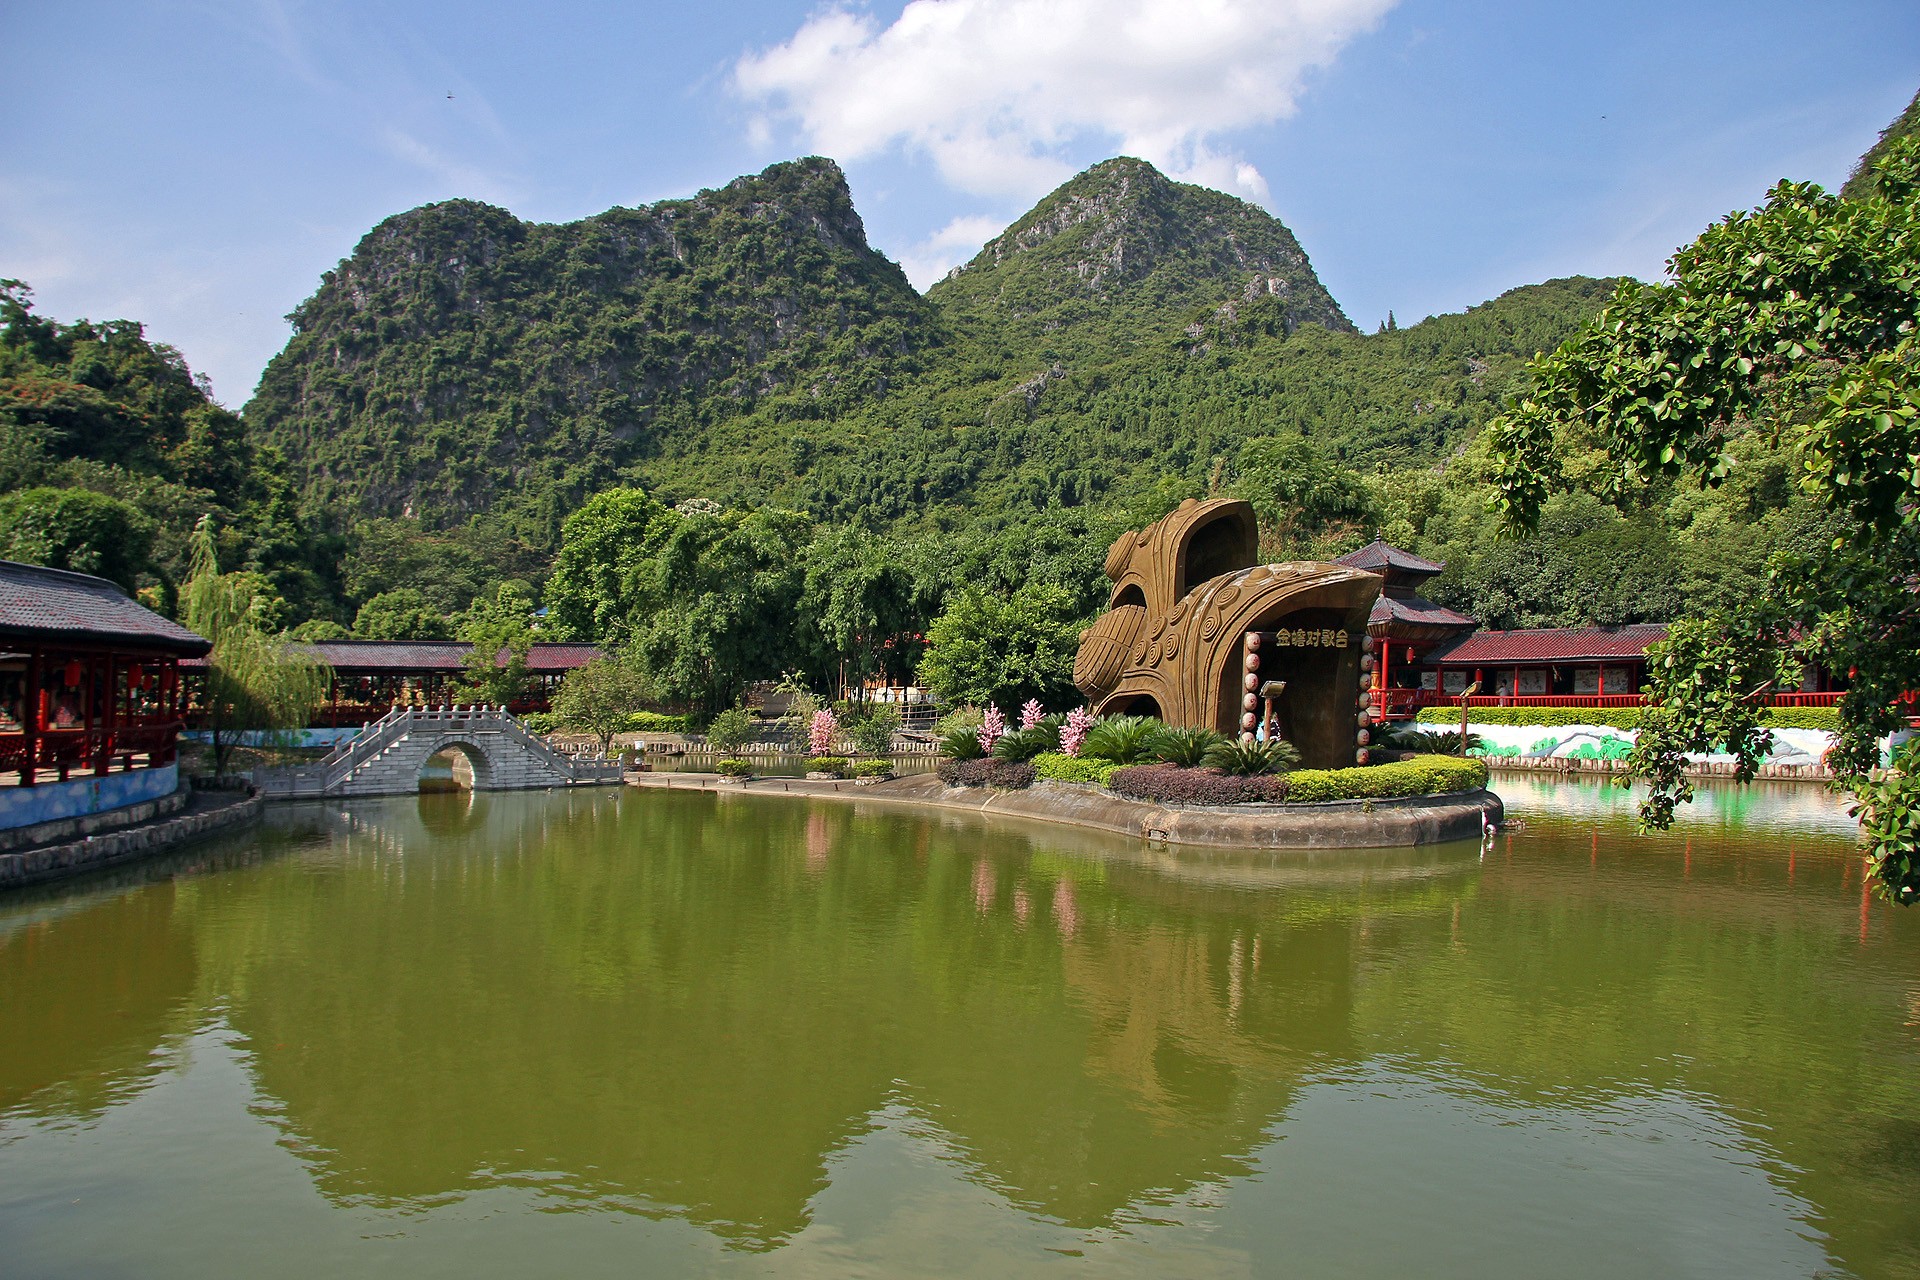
(136, 676)
(73, 673)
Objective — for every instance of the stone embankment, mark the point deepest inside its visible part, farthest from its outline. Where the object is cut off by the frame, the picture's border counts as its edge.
(168, 823)
(1342, 824)
(1699, 769)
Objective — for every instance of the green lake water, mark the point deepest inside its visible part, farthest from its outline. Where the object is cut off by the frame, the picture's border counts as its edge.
(642, 1033)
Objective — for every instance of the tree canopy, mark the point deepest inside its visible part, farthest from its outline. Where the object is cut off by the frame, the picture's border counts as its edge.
(1798, 324)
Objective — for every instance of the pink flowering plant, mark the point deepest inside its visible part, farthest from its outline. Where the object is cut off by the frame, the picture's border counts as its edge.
(993, 727)
(822, 730)
(1031, 714)
(1074, 731)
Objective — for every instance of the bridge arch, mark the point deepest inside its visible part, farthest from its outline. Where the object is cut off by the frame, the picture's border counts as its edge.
(472, 770)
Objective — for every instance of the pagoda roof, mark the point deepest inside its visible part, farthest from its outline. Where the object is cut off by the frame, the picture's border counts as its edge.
(38, 603)
(1550, 644)
(1378, 557)
(1391, 613)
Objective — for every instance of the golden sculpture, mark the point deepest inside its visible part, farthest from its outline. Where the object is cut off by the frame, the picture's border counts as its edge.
(1198, 634)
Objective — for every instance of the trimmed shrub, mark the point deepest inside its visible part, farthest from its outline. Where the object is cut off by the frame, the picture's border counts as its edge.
(1545, 717)
(1420, 776)
(734, 768)
(1122, 739)
(1186, 747)
(1024, 744)
(655, 722)
(1055, 767)
(873, 769)
(986, 773)
(1170, 784)
(835, 765)
(1823, 718)
(1248, 758)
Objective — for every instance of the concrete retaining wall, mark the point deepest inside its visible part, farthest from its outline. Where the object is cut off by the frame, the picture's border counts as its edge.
(53, 862)
(65, 829)
(1342, 824)
(79, 797)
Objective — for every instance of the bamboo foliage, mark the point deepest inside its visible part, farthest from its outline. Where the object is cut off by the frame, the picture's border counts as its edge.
(254, 681)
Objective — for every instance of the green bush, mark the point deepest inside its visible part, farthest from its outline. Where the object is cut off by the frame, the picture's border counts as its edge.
(1186, 747)
(962, 744)
(540, 722)
(873, 769)
(1422, 775)
(655, 722)
(1024, 744)
(1545, 717)
(731, 730)
(968, 718)
(835, 765)
(1825, 718)
(872, 733)
(734, 768)
(1248, 759)
(1122, 739)
(1058, 768)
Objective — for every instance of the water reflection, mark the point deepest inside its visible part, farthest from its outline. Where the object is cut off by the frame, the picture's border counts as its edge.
(721, 1009)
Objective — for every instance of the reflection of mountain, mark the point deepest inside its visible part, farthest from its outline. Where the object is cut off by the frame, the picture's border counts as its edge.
(692, 1004)
(88, 998)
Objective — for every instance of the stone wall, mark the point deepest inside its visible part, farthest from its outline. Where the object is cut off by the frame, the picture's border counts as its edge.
(80, 797)
(53, 862)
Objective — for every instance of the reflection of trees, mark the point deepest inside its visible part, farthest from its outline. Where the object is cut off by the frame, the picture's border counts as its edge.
(689, 1003)
(88, 998)
(1575, 982)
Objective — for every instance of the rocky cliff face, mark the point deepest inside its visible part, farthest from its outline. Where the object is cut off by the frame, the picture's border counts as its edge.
(462, 358)
(1122, 246)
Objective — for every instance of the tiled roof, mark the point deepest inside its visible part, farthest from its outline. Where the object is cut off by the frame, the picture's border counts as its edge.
(436, 655)
(37, 603)
(1413, 611)
(1377, 556)
(1557, 644)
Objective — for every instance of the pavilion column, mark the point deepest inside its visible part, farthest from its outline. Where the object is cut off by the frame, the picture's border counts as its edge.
(33, 715)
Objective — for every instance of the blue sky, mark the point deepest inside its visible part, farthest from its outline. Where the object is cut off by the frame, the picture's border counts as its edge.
(197, 165)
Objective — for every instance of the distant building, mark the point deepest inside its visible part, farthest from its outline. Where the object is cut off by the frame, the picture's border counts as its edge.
(1406, 624)
(91, 697)
(371, 677)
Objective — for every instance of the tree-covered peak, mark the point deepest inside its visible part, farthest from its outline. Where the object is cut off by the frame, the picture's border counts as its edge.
(1123, 251)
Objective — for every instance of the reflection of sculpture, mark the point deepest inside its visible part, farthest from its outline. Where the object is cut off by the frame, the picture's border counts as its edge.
(1194, 629)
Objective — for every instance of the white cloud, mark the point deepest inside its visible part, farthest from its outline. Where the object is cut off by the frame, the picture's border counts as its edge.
(995, 90)
(946, 248)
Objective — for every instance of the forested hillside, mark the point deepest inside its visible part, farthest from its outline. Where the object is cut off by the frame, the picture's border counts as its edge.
(782, 434)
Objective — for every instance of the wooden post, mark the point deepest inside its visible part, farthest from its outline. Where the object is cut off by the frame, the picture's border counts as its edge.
(1466, 696)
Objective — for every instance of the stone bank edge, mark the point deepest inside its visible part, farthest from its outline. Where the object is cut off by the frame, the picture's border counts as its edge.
(1397, 822)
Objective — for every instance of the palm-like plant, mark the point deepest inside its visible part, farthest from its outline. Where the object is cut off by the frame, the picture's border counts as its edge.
(1439, 742)
(1234, 756)
(1121, 739)
(1186, 747)
(962, 744)
(1024, 744)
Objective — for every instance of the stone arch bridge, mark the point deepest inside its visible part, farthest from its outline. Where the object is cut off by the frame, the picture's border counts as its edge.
(387, 756)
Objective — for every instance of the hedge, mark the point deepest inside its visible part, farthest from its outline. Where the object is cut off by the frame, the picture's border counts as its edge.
(655, 722)
(1824, 718)
(873, 769)
(734, 768)
(836, 765)
(986, 773)
(1422, 775)
(1055, 767)
(1172, 784)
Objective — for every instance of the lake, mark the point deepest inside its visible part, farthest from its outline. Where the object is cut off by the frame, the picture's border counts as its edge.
(621, 1032)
